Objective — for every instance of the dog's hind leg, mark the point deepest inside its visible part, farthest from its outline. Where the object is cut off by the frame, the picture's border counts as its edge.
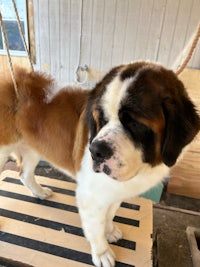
(30, 160)
(4, 154)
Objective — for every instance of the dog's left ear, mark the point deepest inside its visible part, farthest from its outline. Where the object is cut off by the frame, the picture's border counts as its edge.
(182, 123)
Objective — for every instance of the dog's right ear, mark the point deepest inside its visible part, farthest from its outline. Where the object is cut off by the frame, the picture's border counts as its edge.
(182, 124)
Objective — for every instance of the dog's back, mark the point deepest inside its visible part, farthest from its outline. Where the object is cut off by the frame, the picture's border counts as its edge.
(41, 115)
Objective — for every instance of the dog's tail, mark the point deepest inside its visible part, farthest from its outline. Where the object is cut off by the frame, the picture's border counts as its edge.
(32, 85)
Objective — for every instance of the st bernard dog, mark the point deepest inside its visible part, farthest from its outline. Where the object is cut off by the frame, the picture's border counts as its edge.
(118, 140)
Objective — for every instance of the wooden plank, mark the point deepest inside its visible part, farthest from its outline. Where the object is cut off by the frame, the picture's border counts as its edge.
(180, 30)
(191, 80)
(119, 31)
(167, 34)
(58, 198)
(134, 7)
(37, 65)
(196, 56)
(34, 257)
(108, 35)
(96, 39)
(38, 211)
(43, 234)
(86, 33)
(184, 186)
(194, 20)
(143, 29)
(54, 37)
(31, 30)
(188, 12)
(75, 29)
(20, 61)
(65, 40)
(155, 29)
(44, 40)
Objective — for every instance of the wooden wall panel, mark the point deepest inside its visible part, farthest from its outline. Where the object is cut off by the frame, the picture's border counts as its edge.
(166, 37)
(182, 22)
(133, 14)
(133, 30)
(103, 33)
(194, 19)
(121, 10)
(86, 31)
(58, 24)
(155, 29)
(75, 36)
(143, 32)
(20, 61)
(65, 39)
(108, 34)
(54, 34)
(97, 27)
(43, 44)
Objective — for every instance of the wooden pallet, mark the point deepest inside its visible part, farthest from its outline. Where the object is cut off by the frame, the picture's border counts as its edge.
(48, 232)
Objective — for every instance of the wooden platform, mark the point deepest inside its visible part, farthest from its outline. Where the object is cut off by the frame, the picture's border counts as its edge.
(48, 232)
(185, 176)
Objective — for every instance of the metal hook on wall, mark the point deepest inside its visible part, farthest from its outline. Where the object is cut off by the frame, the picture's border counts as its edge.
(81, 69)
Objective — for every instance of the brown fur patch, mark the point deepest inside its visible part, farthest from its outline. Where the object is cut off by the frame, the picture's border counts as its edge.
(158, 127)
(48, 127)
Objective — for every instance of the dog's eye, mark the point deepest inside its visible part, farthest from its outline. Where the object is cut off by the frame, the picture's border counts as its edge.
(127, 120)
(102, 119)
(133, 126)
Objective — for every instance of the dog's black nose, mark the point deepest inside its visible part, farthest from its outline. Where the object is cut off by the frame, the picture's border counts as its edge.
(100, 151)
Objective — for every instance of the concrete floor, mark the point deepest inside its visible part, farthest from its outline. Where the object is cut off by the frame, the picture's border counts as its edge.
(171, 247)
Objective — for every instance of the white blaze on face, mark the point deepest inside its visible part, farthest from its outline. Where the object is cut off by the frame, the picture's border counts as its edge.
(126, 159)
(111, 99)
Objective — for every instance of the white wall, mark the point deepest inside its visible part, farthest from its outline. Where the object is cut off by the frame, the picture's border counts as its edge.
(104, 33)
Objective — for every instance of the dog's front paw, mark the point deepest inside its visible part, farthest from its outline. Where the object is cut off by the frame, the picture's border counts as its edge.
(114, 235)
(43, 193)
(105, 259)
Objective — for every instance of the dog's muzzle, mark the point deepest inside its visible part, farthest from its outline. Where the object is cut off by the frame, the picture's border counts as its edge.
(100, 152)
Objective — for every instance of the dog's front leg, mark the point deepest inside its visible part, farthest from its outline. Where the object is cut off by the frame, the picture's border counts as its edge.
(113, 233)
(94, 219)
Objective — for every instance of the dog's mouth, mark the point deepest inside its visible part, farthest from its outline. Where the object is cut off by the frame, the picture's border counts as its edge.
(102, 156)
(103, 167)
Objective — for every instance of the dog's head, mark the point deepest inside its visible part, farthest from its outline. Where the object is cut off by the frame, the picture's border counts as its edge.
(139, 114)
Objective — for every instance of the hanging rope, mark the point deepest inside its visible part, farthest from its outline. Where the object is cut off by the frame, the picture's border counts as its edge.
(190, 53)
(8, 53)
(22, 34)
(7, 45)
